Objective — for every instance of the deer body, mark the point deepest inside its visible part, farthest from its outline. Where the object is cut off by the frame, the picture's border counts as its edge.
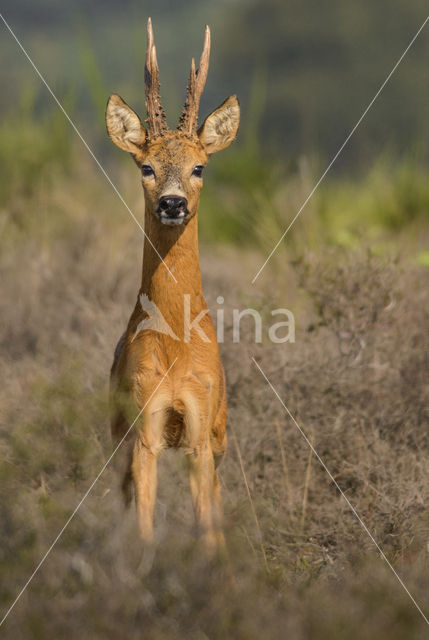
(175, 379)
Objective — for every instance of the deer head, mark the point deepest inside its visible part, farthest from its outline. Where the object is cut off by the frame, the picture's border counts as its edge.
(172, 162)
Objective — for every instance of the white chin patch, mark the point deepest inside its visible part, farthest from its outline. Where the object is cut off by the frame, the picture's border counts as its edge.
(173, 222)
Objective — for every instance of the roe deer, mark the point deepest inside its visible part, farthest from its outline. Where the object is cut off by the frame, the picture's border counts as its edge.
(187, 408)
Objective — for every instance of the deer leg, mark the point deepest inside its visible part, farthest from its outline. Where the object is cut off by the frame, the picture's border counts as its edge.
(218, 447)
(204, 456)
(123, 456)
(201, 479)
(147, 446)
(218, 511)
(127, 476)
(144, 470)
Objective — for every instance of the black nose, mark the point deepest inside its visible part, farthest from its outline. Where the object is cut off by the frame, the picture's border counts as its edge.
(173, 205)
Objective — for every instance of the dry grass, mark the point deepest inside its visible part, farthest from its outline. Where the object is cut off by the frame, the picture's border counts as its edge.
(355, 380)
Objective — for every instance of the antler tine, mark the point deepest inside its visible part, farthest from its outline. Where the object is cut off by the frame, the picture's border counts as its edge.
(197, 80)
(203, 67)
(156, 120)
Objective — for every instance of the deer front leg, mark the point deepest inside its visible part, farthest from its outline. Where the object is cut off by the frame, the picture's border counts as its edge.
(144, 470)
(147, 447)
(204, 456)
(218, 512)
(201, 479)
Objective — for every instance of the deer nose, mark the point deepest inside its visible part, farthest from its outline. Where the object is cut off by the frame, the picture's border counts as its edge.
(173, 205)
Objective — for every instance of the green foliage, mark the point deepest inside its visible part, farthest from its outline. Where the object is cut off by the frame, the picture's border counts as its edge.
(391, 197)
(91, 71)
(33, 148)
(249, 198)
(251, 201)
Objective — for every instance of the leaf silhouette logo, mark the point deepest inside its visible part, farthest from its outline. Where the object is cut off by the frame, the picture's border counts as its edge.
(155, 320)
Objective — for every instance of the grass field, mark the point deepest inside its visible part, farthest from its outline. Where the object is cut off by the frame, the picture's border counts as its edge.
(353, 271)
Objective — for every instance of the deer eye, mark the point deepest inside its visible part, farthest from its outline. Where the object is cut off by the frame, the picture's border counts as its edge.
(147, 171)
(198, 171)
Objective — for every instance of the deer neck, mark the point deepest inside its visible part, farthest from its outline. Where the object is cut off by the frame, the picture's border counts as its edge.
(176, 255)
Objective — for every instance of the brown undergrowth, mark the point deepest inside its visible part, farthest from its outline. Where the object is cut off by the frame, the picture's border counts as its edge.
(355, 381)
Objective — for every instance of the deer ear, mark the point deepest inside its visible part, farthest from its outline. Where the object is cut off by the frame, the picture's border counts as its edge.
(220, 127)
(123, 125)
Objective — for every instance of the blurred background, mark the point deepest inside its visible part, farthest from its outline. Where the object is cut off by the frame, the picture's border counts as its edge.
(353, 269)
(304, 73)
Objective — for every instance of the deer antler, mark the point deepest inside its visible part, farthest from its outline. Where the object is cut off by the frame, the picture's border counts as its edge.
(197, 80)
(156, 119)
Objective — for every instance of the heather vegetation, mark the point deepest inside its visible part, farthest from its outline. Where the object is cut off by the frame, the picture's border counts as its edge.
(354, 271)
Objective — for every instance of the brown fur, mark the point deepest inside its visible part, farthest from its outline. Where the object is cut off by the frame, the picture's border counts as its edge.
(188, 409)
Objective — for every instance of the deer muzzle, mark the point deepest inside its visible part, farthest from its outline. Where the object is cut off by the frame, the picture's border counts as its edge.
(172, 210)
